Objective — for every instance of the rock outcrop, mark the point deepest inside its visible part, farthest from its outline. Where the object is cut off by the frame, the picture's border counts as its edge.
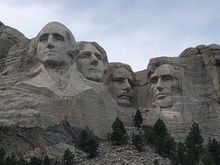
(51, 87)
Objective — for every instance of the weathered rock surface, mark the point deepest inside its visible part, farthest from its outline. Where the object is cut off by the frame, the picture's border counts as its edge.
(197, 100)
(8, 37)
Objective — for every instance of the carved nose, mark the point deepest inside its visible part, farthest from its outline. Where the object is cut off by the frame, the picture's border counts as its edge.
(126, 85)
(159, 85)
(94, 60)
(50, 43)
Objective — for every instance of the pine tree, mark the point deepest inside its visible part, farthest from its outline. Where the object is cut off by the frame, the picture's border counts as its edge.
(181, 152)
(11, 159)
(149, 134)
(118, 135)
(160, 128)
(35, 161)
(214, 149)
(89, 143)
(194, 142)
(137, 141)
(68, 157)
(208, 158)
(138, 119)
(2, 156)
(56, 163)
(46, 161)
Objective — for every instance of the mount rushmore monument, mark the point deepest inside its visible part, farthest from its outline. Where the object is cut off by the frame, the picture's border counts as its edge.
(52, 86)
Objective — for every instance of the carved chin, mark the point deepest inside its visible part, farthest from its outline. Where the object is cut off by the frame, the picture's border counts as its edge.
(165, 102)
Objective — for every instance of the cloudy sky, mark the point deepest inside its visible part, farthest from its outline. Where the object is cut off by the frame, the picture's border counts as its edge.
(131, 31)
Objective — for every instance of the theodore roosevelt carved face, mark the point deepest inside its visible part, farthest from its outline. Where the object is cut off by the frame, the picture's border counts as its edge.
(119, 82)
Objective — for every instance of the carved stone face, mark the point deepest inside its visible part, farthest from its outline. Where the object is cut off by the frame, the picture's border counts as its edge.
(53, 45)
(120, 86)
(90, 63)
(164, 85)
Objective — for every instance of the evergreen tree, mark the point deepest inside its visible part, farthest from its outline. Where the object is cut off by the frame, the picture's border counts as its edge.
(21, 160)
(194, 142)
(56, 163)
(11, 159)
(149, 134)
(2, 156)
(35, 161)
(89, 143)
(118, 135)
(208, 158)
(138, 119)
(137, 141)
(214, 149)
(181, 152)
(160, 128)
(68, 157)
(46, 161)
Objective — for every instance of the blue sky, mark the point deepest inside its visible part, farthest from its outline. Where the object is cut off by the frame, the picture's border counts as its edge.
(131, 31)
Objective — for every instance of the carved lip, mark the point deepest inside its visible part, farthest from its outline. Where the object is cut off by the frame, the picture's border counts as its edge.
(124, 96)
(161, 95)
(49, 51)
(93, 69)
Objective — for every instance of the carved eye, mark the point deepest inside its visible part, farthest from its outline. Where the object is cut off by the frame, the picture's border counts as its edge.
(98, 56)
(85, 55)
(58, 37)
(167, 77)
(154, 79)
(118, 79)
(43, 38)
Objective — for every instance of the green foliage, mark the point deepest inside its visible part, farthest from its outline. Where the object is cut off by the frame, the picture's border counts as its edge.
(214, 149)
(137, 141)
(46, 161)
(35, 161)
(89, 143)
(138, 119)
(208, 158)
(68, 157)
(56, 163)
(156, 162)
(11, 159)
(160, 128)
(194, 142)
(181, 152)
(149, 134)
(118, 135)
(2, 156)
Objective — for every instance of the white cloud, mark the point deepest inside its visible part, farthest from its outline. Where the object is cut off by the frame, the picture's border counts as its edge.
(131, 32)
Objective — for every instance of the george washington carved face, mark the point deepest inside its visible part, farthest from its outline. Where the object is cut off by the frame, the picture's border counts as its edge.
(53, 45)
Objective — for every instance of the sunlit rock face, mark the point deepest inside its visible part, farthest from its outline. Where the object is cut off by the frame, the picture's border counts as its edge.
(41, 87)
(53, 87)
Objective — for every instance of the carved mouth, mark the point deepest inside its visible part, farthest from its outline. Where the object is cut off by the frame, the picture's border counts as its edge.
(161, 95)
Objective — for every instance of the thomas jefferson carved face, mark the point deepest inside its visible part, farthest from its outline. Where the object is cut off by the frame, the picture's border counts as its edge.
(119, 85)
(164, 84)
(91, 62)
(54, 43)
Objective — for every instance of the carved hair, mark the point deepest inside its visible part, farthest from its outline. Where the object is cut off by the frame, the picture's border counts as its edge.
(80, 45)
(116, 65)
